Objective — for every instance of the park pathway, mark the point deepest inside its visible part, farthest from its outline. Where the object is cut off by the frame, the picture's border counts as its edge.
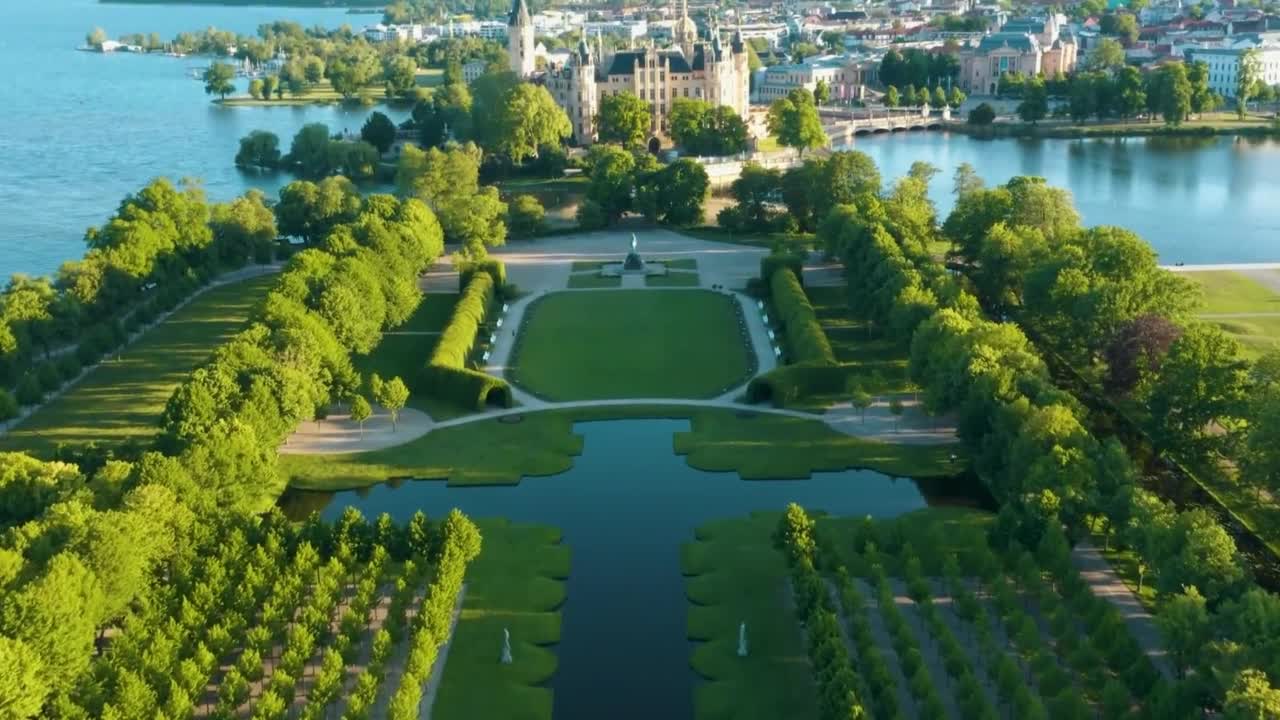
(1102, 578)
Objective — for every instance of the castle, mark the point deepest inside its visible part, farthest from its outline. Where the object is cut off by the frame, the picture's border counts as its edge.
(691, 68)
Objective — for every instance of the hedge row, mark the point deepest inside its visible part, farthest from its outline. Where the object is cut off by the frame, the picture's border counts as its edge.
(447, 375)
(496, 269)
(792, 382)
(805, 339)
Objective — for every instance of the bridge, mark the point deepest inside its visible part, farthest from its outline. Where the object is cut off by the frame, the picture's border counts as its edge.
(841, 124)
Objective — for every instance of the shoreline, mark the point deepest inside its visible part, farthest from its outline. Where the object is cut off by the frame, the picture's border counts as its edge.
(997, 131)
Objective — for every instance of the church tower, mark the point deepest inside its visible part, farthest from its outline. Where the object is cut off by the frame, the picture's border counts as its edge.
(520, 40)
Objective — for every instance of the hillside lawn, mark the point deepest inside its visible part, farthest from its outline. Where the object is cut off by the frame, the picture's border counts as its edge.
(123, 399)
(1227, 292)
(631, 344)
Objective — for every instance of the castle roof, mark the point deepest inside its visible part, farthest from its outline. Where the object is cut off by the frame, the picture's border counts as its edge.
(1014, 40)
(624, 62)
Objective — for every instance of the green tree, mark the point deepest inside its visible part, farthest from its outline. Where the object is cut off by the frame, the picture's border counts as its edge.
(1108, 55)
(352, 71)
(1130, 92)
(909, 96)
(822, 92)
(891, 98)
(794, 121)
(1248, 78)
(1172, 93)
(530, 119)
(755, 189)
(259, 149)
(859, 399)
(612, 180)
(219, 79)
(1196, 401)
(23, 687)
(1203, 98)
(360, 411)
(379, 131)
(983, 114)
(310, 210)
(956, 97)
(939, 99)
(271, 84)
(309, 154)
(623, 118)
(255, 89)
(392, 395)
(399, 76)
(525, 217)
(95, 37)
(1035, 101)
(675, 194)
(243, 228)
(1184, 623)
(1252, 697)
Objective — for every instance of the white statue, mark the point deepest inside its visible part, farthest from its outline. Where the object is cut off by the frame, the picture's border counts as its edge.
(742, 640)
(633, 242)
(506, 647)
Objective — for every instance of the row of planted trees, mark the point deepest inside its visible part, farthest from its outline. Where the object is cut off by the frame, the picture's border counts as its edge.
(161, 245)
(1028, 438)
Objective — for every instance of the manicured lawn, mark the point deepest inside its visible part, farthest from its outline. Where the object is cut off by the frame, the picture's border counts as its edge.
(631, 344)
(734, 576)
(1228, 292)
(543, 443)
(583, 265)
(673, 279)
(776, 446)
(592, 280)
(516, 583)
(323, 93)
(123, 399)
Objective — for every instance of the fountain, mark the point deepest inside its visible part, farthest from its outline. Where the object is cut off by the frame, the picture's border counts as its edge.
(633, 263)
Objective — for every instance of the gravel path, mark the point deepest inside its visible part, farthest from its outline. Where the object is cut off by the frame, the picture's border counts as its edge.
(1096, 571)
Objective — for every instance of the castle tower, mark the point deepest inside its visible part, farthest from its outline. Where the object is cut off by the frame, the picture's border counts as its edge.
(685, 31)
(520, 40)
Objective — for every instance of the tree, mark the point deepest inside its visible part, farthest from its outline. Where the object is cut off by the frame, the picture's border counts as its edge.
(1197, 399)
(360, 411)
(794, 121)
(529, 120)
(1137, 350)
(1122, 25)
(310, 210)
(255, 88)
(1171, 91)
(755, 189)
(859, 399)
(1108, 55)
(271, 84)
(966, 181)
(939, 99)
(95, 37)
(612, 180)
(392, 395)
(822, 92)
(400, 76)
(891, 98)
(983, 114)
(705, 129)
(1248, 77)
(1252, 697)
(477, 222)
(352, 71)
(525, 216)
(1130, 92)
(219, 79)
(1035, 101)
(379, 132)
(1203, 98)
(23, 687)
(896, 407)
(309, 153)
(1184, 623)
(259, 149)
(243, 228)
(956, 97)
(623, 118)
(909, 96)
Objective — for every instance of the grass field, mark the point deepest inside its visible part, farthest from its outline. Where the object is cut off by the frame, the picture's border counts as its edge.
(122, 399)
(516, 583)
(1228, 292)
(673, 279)
(589, 280)
(324, 94)
(543, 443)
(631, 344)
(735, 575)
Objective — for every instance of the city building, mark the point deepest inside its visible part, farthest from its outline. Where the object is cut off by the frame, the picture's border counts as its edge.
(846, 77)
(706, 69)
(1022, 47)
(1224, 66)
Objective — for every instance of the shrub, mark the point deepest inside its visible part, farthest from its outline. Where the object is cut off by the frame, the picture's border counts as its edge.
(48, 376)
(525, 217)
(495, 268)
(984, 114)
(773, 262)
(87, 353)
(68, 366)
(591, 216)
(29, 391)
(447, 375)
(8, 405)
(805, 338)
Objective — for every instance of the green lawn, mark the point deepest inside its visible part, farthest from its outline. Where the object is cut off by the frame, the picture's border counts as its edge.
(673, 279)
(543, 443)
(734, 576)
(631, 344)
(587, 280)
(324, 94)
(776, 446)
(123, 399)
(1229, 292)
(516, 583)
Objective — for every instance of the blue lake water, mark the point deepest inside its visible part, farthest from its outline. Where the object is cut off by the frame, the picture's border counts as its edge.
(80, 130)
(625, 508)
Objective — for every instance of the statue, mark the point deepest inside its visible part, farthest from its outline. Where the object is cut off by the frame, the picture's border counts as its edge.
(633, 263)
(633, 242)
(742, 640)
(506, 647)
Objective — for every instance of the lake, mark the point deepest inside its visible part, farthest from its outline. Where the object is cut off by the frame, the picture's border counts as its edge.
(625, 508)
(80, 130)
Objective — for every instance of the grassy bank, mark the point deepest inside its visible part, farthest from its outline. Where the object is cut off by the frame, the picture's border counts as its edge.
(123, 397)
(1213, 124)
(324, 94)
(516, 583)
(1243, 307)
(755, 445)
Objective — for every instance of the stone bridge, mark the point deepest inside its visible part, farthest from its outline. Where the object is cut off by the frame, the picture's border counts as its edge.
(842, 125)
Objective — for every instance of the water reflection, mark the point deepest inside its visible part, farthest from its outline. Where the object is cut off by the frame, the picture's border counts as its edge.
(625, 508)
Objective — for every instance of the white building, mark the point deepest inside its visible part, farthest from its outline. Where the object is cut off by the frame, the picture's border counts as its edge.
(845, 76)
(628, 30)
(386, 33)
(1224, 66)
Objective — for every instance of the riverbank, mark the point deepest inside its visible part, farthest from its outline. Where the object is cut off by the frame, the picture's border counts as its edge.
(1250, 126)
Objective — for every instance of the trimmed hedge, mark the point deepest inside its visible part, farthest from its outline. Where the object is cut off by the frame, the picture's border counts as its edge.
(446, 374)
(806, 341)
(495, 269)
(774, 262)
(792, 382)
